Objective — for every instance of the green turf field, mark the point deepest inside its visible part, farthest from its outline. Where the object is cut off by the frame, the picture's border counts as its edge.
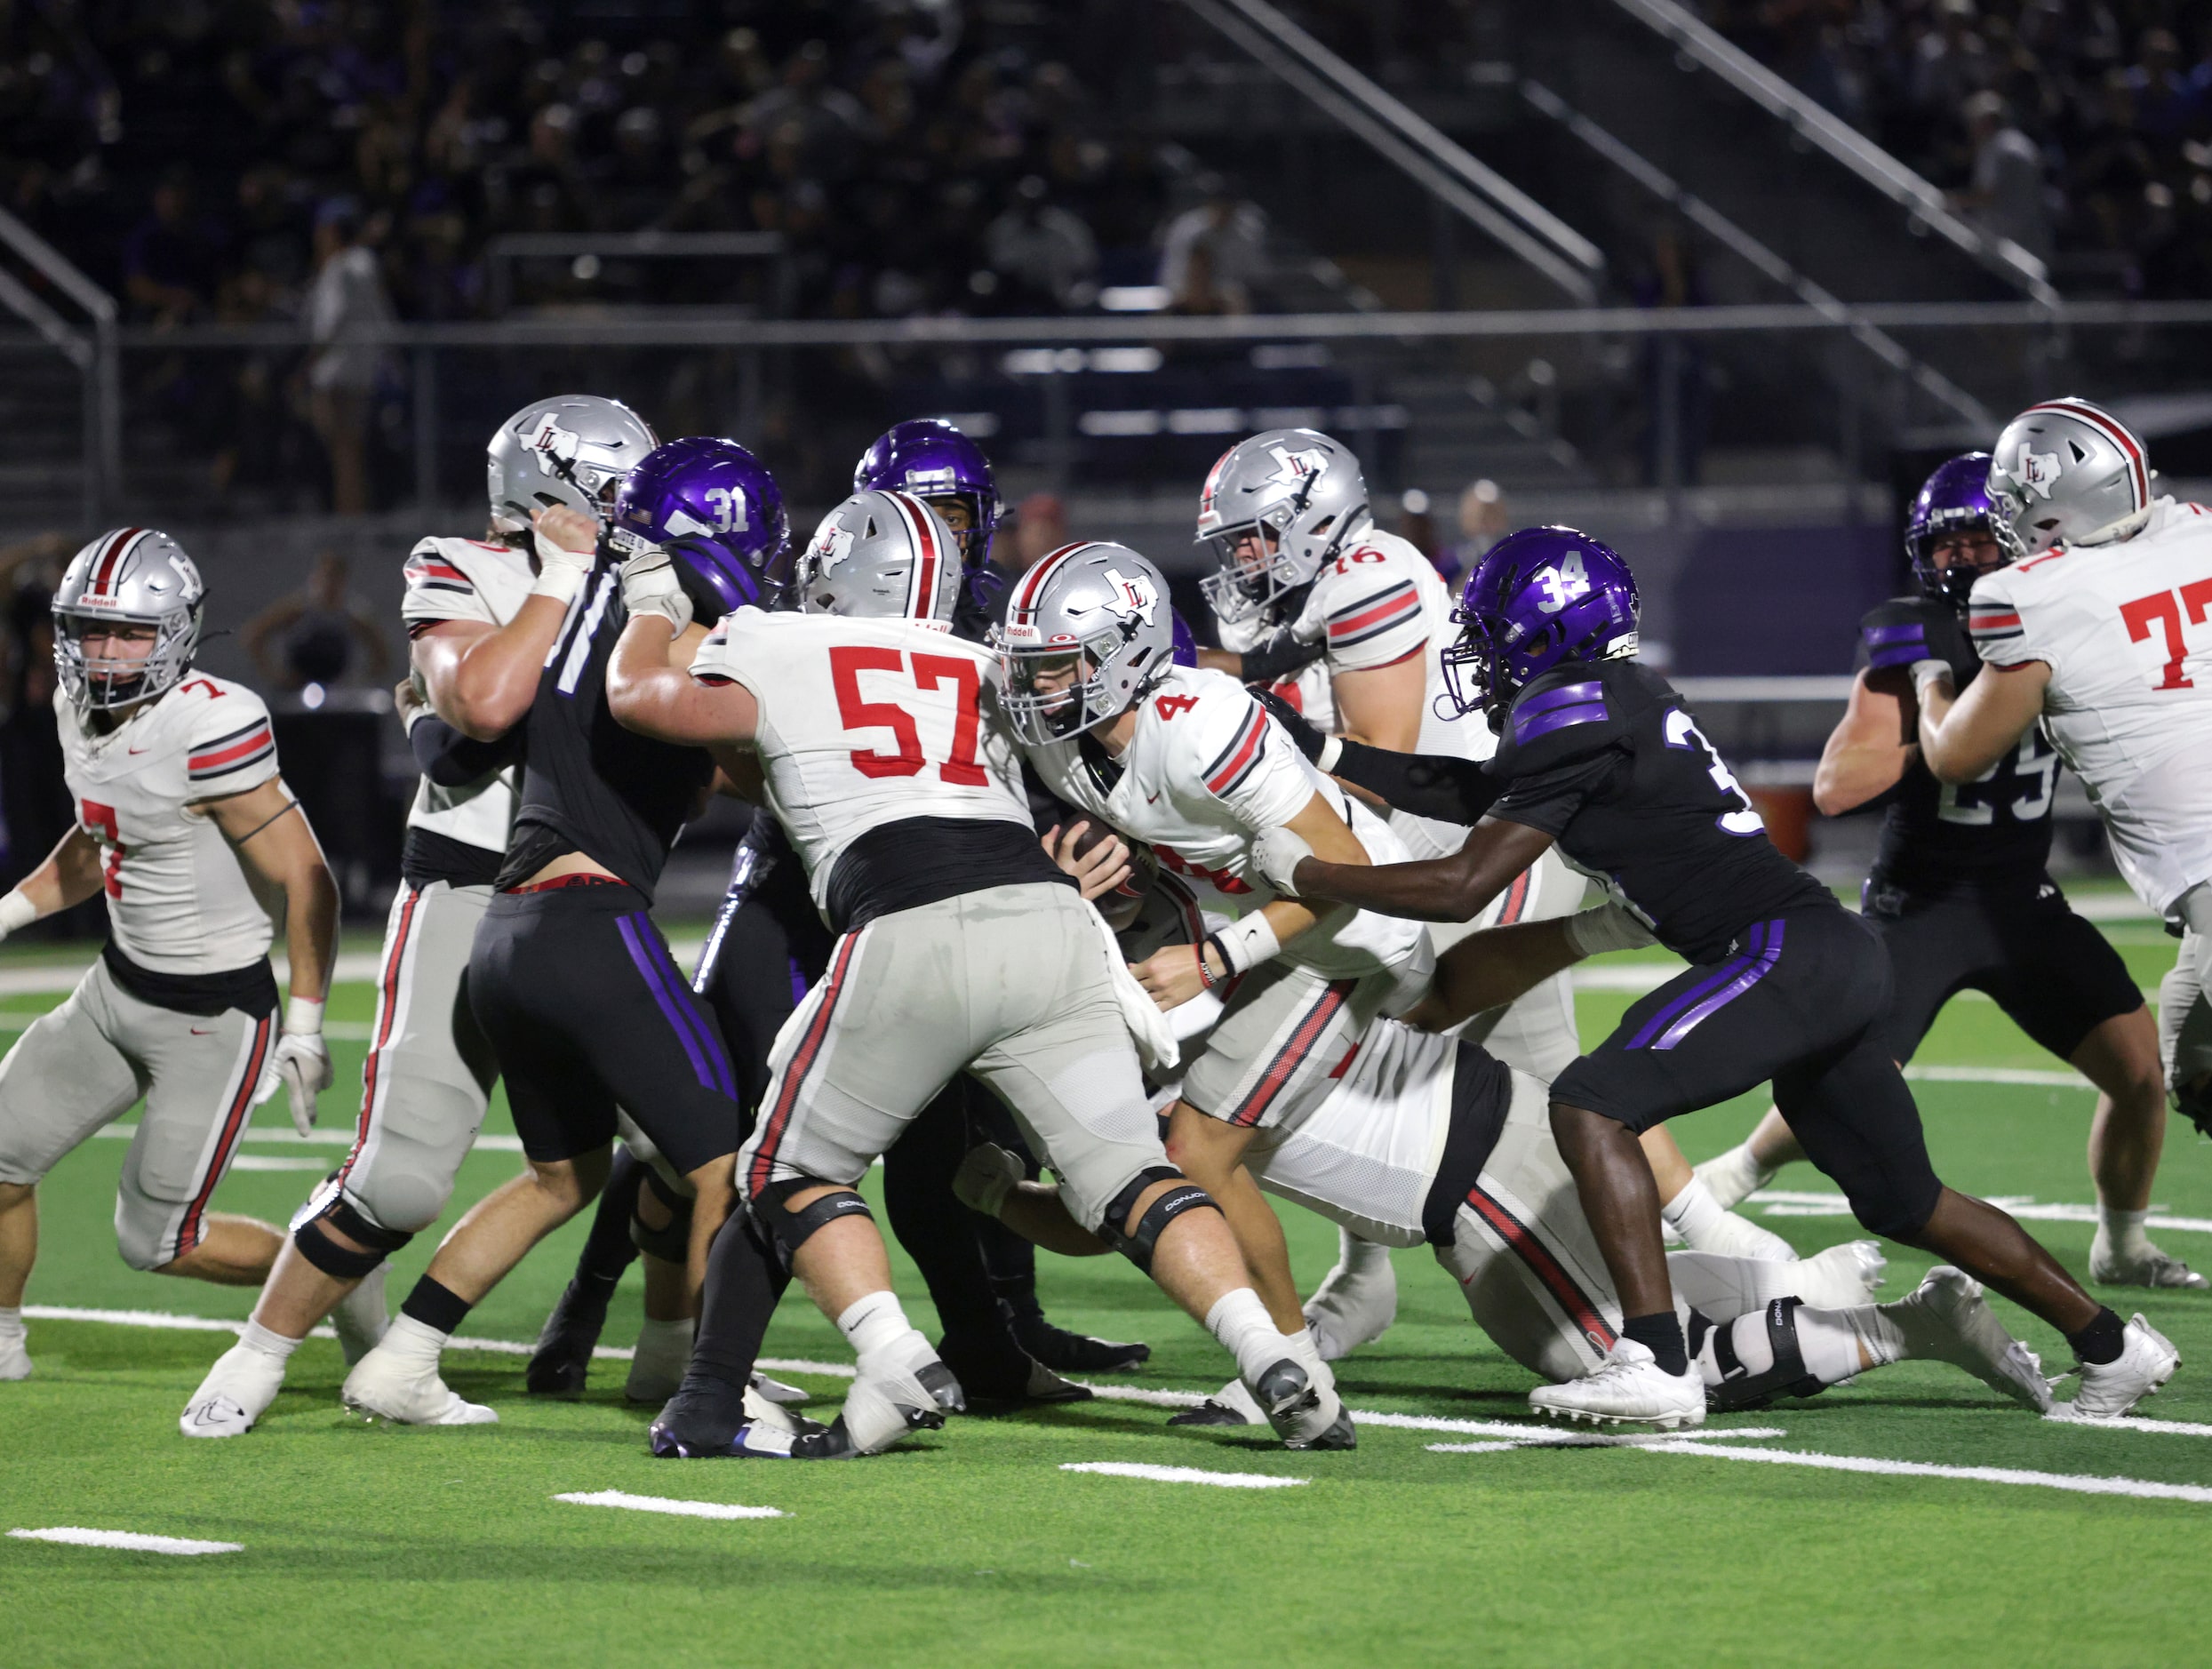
(399, 1548)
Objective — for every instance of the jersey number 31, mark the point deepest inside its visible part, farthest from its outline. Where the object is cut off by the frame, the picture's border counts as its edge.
(847, 662)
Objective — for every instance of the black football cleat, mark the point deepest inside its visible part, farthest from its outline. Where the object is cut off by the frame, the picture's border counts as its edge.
(995, 1380)
(560, 1364)
(1063, 1351)
(1209, 1413)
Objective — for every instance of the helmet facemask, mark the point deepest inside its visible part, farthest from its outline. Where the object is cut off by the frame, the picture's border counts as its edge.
(1050, 694)
(1954, 583)
(108, 683)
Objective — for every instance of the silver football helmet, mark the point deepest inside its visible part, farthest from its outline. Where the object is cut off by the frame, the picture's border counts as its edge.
(2065, 472)
(1087, 631)
(882, 555)
(574, 449)
(128, 577)
(1301, 493)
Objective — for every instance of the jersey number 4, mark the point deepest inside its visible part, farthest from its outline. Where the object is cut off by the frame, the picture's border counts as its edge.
(847, 662)
(2164, 610)
(101, 820)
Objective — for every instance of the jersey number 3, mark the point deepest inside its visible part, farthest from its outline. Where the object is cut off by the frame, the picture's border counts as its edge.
(847, 662)
(1683, 731)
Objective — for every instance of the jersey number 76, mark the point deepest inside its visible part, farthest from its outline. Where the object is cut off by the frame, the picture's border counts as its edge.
(847, 662)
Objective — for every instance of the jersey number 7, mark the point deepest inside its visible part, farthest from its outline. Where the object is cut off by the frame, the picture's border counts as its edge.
(847, 662)
(2164, 609)
(101, 820)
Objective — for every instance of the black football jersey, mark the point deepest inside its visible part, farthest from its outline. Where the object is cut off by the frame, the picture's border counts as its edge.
(1604, 757)
(590, 786)
(1992, 832)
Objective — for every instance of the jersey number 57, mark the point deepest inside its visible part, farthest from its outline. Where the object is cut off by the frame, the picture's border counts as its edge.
(847, 662)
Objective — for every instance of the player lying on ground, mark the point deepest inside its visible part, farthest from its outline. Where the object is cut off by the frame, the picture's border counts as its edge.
(1959, 892)
(2102, 632)
(961, 947)
(182, 818)
(1601, 757)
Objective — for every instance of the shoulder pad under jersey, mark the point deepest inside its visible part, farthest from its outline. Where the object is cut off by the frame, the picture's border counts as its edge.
(1575, 711)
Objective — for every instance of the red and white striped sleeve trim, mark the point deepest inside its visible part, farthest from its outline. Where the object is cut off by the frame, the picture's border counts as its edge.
(1237, 761)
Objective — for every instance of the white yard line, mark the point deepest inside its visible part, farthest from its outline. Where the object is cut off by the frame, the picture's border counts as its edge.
(1567, 1437)
(494, 1144)
(1808, 1202)
(662, 1503)
(1183, 1474)
(2075, 1483)
(128, 1541)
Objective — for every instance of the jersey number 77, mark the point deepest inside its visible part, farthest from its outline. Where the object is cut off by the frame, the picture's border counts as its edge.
(849, 661)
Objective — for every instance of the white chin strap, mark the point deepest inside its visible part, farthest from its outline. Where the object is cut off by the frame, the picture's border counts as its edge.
(2112, 533)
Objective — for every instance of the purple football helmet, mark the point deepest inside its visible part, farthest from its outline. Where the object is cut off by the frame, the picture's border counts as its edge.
(1185, 641)
(719, 515)
(1955, 500)
(930, 459)
(1538, 597)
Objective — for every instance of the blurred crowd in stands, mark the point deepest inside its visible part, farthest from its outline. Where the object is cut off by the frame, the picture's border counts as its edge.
(2079, 129)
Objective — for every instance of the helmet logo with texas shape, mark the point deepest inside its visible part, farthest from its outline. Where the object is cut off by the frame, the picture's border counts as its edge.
(1133, 598)
(832, 547)
(554, 441)
(1292, 467)
(2035, 473)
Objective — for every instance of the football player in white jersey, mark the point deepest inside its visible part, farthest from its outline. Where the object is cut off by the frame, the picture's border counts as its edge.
(2101, 629)
(960, 945)
(1186, 760)
(183, 821)
(428, 1076)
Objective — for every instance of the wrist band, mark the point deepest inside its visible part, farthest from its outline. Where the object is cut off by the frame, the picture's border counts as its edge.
(1212, 941)
(16, 911)
(303, 1016)
(558, 581)
(1244, 942)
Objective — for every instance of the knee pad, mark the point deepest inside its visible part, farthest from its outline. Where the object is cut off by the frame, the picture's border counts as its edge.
(1738, 1388)
(345, 1262)
(789, 1230)
(672, 1242)
(1139, 1245)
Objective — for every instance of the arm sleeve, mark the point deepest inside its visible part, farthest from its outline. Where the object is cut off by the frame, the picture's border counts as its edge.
(231, 747)
(453, 760)
(1548, 800)
(1435, 785)
(1995, 621)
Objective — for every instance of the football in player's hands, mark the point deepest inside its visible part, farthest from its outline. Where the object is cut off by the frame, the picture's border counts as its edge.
(1093, 854)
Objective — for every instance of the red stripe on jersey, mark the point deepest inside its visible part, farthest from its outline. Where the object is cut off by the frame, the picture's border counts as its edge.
(1241, 751)
(436, 570)
(1516, 899)
(803, 1060)
(2138, 471)
(233, 1129)
(1546, 1268)
(1987, 622)
(1388, 610)
(237, 750)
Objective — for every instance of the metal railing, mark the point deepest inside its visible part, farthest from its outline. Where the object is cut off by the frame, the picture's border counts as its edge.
(96, 356)
(501, 253)
(1831, 134)
(1439, 165)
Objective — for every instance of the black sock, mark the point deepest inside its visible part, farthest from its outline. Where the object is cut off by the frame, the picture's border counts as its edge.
(2102, 1340)
(437, 1305)
(607, 1249)
(745, 1279)
(1662, 1335)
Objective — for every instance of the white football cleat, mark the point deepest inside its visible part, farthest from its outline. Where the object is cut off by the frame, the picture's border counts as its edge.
(2147, 1360)
(2153, 1269)
(1628, 1386)
(886, 1402)
(15, 1358)
(1356, 1301)
(236, 1393)
(360, 1318)
(383, 1386)
(1841, 1277)
(1733, 1176)
(1303, 1413)
(1945, 1318)
(776, 1391)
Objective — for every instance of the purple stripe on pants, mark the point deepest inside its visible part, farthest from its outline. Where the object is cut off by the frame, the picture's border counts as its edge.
(678, 1021)
(709, 1035)
(1760, 963)
(1698, 993)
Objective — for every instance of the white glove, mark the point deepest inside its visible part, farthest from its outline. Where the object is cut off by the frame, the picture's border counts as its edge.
(1607, 927)
(1279, 852)
(16, 911)
(301, 1063)
(1926, 672)
(986, 1177)
(562, 571)
(649, 586)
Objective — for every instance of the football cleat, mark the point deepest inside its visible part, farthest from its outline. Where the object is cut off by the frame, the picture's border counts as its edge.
(1232, 1405)
(1356, 1301)
(2151, 1268)
(1734, 1176)
(2146, 1360)
(664, 1351)
(1629, 1387)
(885, 1404)
(1841, 1277)
(1304, 1415)
(1946, 1319)
(1063, 1351)
(15, 1358)
(384, 1386)
(702, 1422)
(360, 1318)
(776, 1391)
(236, 1393)
(559, 1365)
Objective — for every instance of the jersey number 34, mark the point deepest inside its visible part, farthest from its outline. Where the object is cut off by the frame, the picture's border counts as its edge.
(847, 662)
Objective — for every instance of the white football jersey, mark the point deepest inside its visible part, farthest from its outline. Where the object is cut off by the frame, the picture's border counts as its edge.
(1366, 1157)
(179, 899)
(1206, 772)
(466, 580)
(865, 723)
(2126, 630)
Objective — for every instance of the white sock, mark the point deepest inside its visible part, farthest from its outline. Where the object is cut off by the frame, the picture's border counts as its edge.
(1733, 1174)
(662, 1335)
(1692, 1213)
(1240, 1321)
(11, 1326)
(414, 1342)
(874, 1324)
(256, 1337)
(2123, 1231)
(1877, 1329)
(1308, 1353)
(1355, 1255)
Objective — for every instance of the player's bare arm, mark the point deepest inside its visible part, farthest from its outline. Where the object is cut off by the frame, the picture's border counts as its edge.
(1454, 889)
(1961, 737)
(270, 831)
(481, 678)
(69, 875)
(1868, 751)
(1382, 705)
(649, 689)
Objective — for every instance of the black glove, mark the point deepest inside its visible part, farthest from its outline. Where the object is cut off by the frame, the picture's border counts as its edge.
(1277, 656)
(1906, 629)
(1310, 740)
